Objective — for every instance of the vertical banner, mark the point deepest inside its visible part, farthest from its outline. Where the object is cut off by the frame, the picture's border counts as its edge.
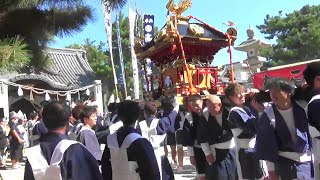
(138, 35)
(132, 21)
(148, 27)
(148, 32)
(137, 25)
(108, 25)
(121, 70)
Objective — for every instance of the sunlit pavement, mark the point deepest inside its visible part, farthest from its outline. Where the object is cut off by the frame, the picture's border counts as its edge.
(12, 174)
(188, 173)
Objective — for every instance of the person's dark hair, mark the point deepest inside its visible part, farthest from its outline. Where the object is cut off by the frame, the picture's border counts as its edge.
(112, 107)
(128, 112)
(44, 103)
(280, 84)
(166, 105)
(232, 89)
(194, 97)
(20, 121)
(183, 108)
(87, 112)
(141, 106)
(77, 110)
(312, 70)
(141, 115)
(150, 108)
(32, 115)
(55, 115)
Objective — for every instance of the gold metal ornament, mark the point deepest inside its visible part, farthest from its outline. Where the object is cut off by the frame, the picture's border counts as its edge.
(179, 8)
(196, 30)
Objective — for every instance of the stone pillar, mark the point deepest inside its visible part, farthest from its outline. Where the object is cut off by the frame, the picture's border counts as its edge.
(4, 98)
(98, 95)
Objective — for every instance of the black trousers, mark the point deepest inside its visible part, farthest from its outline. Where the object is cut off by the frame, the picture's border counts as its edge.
(224, 167)
(167, 173)
(16, 151)
(201, 162)
(251, 167)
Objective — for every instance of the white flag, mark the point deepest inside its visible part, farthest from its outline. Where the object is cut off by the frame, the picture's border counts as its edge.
(132, 20)
(108, 25)
(111, 99)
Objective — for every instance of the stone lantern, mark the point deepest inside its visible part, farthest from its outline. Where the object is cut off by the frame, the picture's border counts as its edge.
(252, 46)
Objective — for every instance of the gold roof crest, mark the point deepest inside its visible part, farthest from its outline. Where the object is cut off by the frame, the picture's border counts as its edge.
(179, 8)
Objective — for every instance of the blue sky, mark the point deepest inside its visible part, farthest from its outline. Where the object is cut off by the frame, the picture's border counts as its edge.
(243, 13)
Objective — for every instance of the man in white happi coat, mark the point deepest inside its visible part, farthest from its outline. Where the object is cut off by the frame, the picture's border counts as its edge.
(56, 157)
(128, 155)
(155, 130)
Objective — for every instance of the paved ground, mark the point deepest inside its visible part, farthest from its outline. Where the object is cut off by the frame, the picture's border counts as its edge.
(188, 173)
(17, 174)
(12, 174)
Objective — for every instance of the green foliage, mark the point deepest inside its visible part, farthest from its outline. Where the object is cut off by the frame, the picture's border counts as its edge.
(125, 42)
(13, 54)
(97, 58)
(38, 21)
(297, 35)
(267, 53)
(99, 62)
(117, 4)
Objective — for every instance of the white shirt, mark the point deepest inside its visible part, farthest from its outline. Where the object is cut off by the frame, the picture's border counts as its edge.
(21, 129)
(289, 120)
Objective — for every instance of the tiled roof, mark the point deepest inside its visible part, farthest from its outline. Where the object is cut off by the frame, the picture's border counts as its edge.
(69, 69)
(252, 44)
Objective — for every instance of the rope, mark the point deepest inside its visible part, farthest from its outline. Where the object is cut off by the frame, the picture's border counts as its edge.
(205, 23)
(192, 89)
(43, 91)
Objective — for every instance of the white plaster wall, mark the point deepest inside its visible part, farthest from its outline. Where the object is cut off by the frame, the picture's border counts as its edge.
(98, 95)
(4, 101)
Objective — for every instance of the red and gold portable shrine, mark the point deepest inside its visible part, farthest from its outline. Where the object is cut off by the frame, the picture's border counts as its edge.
(183, 51)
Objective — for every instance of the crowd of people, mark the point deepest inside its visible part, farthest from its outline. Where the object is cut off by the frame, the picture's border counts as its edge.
(18, 133)
(237, 136)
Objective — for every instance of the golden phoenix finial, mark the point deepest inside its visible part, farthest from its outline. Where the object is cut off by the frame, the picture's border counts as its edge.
(179, 8)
